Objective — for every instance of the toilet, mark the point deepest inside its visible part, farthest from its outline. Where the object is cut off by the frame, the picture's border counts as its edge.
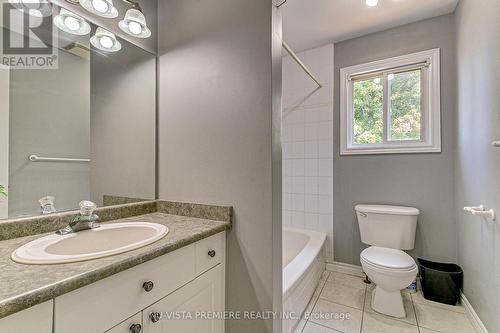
(389, 230)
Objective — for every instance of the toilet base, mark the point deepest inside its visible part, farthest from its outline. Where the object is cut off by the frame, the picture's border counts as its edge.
(389, 303)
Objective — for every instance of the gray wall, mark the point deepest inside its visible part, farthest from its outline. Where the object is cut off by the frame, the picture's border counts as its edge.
(477, 162)
(215, 132)
(49, 116)
(424, 181)
(122, 122)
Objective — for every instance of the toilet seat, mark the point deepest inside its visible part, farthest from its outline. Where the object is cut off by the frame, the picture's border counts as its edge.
(387, 259)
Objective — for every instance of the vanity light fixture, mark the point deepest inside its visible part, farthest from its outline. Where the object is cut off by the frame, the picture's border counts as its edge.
(37, 8)
(134, 24)
(371, 3)
(105, 41)
(71, 23)
(103, 8)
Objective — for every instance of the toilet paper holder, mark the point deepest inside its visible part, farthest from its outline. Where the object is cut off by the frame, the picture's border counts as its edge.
(480, 211)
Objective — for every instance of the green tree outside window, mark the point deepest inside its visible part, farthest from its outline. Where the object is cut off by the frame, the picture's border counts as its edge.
(404, 110)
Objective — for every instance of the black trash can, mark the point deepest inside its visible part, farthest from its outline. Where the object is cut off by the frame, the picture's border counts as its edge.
(441, 282)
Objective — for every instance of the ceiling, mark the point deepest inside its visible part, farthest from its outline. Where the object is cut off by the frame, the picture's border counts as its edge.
(311, 23)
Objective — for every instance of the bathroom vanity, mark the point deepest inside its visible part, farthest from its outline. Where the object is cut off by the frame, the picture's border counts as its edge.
(189, 279)
(173, 285)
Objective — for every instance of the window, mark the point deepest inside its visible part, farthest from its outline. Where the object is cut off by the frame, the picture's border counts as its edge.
(391, 106)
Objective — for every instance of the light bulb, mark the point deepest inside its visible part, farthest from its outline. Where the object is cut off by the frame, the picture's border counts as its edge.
(71, 23)
(390, 77)
(134, 24)
(371, 3)
(106, 42)
(100, 5)
(135, 28)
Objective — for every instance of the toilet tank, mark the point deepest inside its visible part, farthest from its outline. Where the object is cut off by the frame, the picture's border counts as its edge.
(387, 226)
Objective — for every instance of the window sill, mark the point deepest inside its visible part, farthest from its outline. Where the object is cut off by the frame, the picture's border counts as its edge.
(388, 150)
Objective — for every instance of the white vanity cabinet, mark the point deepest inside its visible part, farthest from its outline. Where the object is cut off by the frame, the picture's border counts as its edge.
(185, 310)
(188, 279)
(190, 309)
(37, 319)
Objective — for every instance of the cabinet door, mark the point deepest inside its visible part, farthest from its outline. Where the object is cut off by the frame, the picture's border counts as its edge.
(130, 325)
(186, 309)
(35, 319)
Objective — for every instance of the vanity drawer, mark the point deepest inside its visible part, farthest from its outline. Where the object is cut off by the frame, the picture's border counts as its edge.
(127, 326)
(210, 252)
(105, 303)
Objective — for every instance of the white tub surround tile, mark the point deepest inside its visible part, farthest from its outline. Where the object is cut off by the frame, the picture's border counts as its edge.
(298, 202)
(307, 137)
(311, 185)
(311, 168)
(311, 221)
(298, 167)
(298, 219)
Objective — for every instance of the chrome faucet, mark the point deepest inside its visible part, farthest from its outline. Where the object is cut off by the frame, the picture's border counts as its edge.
(84, 220)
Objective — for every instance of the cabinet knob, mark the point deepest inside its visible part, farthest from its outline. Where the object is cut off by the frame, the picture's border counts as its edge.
(136, 328)
(155, 316)
(211, 253)
(148, 286)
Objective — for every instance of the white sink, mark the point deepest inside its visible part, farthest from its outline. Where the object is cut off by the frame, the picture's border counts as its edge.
(107, 240)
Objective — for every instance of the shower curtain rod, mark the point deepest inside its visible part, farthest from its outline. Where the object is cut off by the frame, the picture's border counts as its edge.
(300, 63)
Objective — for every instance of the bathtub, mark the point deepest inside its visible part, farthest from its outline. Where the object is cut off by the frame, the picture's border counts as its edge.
(303, 264)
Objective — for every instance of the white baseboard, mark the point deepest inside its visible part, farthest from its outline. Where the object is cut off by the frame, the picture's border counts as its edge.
(472, 315)
(345, 268)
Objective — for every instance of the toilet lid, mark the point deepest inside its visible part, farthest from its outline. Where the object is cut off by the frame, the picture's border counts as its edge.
(388, 258)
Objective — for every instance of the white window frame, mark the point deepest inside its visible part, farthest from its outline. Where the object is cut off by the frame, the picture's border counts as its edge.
(429, 61)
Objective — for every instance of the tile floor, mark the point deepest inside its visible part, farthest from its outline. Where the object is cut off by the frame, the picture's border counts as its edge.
(347, 294)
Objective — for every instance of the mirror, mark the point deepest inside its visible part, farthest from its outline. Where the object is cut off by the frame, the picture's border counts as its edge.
(81, 129)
